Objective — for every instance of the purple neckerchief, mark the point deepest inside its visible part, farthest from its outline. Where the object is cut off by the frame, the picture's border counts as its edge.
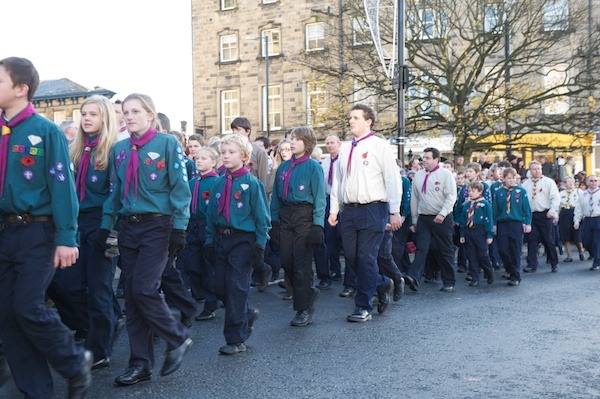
(221, 170)
(424, 188)
(84, 164)
(226, 194)
(354, 143)
(294, 161)
(196, 186)
(6, 130)
(330, 175)
(131, 174)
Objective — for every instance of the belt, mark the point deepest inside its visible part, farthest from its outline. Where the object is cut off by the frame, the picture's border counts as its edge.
(546, 211)
(357, 204)
(25, 218)
(227, 231)
(142, 217)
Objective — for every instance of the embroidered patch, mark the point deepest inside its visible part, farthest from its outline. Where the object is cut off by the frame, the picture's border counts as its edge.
(179, 150)
(218, 195)
(153, 155)
(240, 205)
(28, 174)
(94, 178)
(185, 177)
(244, 186)
(28, 161)
(176, 165)
(301, 187)
(437, 189)
(34, 140)
(60, 166)
(365, 162)
(365, 155)
(206, 194)
(153, 176)
(52, 170)
(160, 165)
(237, 195)
(180, 157)
(28, 150)
(61, 177)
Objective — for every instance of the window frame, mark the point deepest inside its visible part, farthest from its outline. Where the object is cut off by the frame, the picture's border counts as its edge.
(222, 48)
(317, 36)
(275, 107)
(225, 104)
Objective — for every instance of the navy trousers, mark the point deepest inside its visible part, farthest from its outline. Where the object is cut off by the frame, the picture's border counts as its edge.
(234, 256)
(296, 257)
(510, 242)
(362, 227)
(83, 293)
(322, 263)
(144, 248)
(399, 250)
(333, 244)
(427, 231)
(33, 336)
(590, 237)
(387, 266)
(477, 251)
(541, 231)
(174, 288)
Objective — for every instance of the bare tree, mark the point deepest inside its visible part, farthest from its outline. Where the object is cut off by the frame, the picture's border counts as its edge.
(488, 72)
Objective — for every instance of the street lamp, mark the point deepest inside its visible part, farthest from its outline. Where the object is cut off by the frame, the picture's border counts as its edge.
(266, 54)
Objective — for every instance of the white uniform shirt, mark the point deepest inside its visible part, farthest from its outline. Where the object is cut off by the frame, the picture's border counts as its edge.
(325, 165)
(573, 199)
(589, 205)
(439, 196)
(373, 176)
(544, 197)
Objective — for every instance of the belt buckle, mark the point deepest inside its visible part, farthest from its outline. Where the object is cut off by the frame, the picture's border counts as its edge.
(134, 219)
(227, 232)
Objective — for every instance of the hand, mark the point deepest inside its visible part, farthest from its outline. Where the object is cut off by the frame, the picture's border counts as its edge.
(413, 228)
(489, 241)
(439, 219)
(462, 240)
(209, 253)
(100, 241)
(527, 228)
(396, 222)
(315, 236)
(259, 255)
(275, 233)
(576, 226)
(176, 241)
(65, 256)
(332, 220)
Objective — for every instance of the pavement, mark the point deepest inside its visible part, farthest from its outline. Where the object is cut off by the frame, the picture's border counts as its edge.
(538, 340)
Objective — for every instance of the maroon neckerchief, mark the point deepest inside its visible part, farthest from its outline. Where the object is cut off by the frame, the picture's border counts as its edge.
(6, 130)
(294, 161)
(221, 170)
(131, 174)
(226, 194)
(424, 188)
(84, 163)
(330, 175)
(354, 143)
(196, 186)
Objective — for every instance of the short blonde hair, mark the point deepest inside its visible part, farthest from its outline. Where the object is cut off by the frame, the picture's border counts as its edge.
(242, 143)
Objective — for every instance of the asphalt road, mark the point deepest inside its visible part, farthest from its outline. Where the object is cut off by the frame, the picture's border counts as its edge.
(538, 340)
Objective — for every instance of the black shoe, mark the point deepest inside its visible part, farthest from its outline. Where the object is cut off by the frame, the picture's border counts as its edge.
(302, 319)
(581, 256)
(186, 321)
(411, 282)
(474, 283)
(347, 292)
(554, 268)
(232, 349)
(336, 277)
(469, 278)
(461, 270)
(447, 288)
(514, 283)
(133, 375)
(205, 315)
(252, 317)
(529, 270)
(398, 289)
(281, 284)
(384, 298)
(568, 260)
(490, 277)
(359, 315)
(102, 363)
(81, 382)
(594, 268)
(119, 293)
(496, 266)
(324, 285)
(264, 280)
(175, 358)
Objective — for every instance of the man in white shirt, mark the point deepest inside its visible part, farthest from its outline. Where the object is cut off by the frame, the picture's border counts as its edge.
(367, 184)
(544, 200)
(587, 214)
(433, 196)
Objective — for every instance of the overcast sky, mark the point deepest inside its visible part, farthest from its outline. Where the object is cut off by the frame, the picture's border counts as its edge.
(121, 45)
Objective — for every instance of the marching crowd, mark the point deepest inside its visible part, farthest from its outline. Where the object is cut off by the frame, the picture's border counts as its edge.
(191, 221)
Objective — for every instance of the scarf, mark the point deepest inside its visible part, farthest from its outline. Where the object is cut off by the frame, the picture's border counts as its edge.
(226, 194)
(508, 197)
(133, 165)
(471, 211)
(330, 175)
(84, 164)
(354, 144)
(6, 130)
(196, 187)
(294, 161)
(424, 188)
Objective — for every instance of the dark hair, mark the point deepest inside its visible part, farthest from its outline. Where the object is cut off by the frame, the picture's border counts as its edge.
(197, 137)
(242, 122)
(164, 122)
(476, 185)
(504, 164)
(368, 112)
(435, 153)
(264, 140)
(22, 72)
(308, 137)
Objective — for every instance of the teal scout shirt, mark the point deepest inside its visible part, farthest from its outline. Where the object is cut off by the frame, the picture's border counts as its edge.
(306, 186)
(39, 177)
(482, 216)
(97, 185)
(162, 182)
(248, 209)
(204, 194)
(405, 204)
(519, 206)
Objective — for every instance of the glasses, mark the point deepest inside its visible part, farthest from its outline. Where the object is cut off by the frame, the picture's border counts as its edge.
(592, 181)
(285, 149)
